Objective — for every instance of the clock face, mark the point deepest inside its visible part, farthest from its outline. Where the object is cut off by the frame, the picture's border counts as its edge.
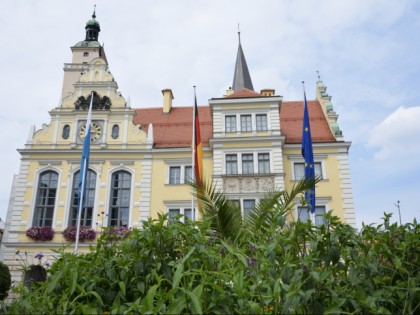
(95, 131)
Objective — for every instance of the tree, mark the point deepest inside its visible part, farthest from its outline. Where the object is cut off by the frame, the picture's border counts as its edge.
(5, 281)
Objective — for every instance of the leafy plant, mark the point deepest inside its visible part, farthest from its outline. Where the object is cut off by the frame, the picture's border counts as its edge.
(5, 281)
(267, 265)
(40, 233)
(116, 233)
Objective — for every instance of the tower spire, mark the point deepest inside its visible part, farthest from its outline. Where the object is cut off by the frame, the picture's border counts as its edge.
(241, 77)
(92, 27)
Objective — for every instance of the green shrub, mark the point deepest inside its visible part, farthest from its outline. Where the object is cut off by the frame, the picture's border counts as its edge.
(5, 281)
(188, 268)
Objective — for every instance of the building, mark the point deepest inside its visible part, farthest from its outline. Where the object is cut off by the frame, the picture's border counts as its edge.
(141, 158)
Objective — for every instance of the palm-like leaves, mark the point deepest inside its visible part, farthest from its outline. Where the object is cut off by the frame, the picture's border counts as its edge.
(275, 206)
(225, 217)
(222, 214)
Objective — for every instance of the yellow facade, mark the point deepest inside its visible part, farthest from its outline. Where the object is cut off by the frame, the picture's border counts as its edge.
(121, 145)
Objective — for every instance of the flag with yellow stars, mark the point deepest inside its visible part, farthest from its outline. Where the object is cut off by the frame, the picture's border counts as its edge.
(308, 155)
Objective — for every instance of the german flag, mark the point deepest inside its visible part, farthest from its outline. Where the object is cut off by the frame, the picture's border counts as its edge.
(198, 148)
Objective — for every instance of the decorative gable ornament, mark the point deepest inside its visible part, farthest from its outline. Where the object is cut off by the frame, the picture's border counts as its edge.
(82, 103)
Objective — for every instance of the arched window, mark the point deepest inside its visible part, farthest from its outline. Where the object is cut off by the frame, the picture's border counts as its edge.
(87, 211)
(120, 199)
(115, 131)
(66, 132)
(45, 198)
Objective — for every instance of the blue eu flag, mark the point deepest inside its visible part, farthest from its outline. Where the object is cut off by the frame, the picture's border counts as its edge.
(308, 156)
(84, 164)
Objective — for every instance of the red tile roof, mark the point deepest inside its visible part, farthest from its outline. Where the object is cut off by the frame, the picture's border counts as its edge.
(242, 93)
(174, 130)
(291, 121)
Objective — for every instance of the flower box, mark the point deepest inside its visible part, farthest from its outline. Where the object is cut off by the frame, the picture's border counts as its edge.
(86, 233)
(40, 233)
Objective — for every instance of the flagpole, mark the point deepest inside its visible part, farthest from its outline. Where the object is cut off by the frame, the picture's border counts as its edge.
(82, 191)
(193, 156)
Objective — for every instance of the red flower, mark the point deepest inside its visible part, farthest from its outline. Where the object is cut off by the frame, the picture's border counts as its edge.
(40, 233)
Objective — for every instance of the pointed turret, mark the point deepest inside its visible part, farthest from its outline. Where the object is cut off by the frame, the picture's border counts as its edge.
(241, 78)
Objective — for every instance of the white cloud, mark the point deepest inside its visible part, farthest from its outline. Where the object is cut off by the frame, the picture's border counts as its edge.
(398, 136)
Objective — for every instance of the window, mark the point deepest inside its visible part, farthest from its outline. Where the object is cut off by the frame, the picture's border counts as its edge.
(120, 199)
(263, 163)
(187, 213)
(261, 122)
(299, 169)
(175, 175)
(231, 164)
(85, 54)
(115, 131)
(45, 199)
(87, 211)
(247, 163)
(179, 174)
(173, 214)
(66, 132)
(230, 123)
(188, 175)
(305, 215)
(248, 207)
(246, 123)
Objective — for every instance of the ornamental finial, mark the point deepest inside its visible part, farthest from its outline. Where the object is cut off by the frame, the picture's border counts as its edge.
(94, 10)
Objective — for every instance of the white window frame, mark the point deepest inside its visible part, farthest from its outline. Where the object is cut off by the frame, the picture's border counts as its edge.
(246, 123)
(181, 206)
(240, 201)
(251, 169)
(173, 179)
(312, 216)
(258, 162)
(317, 159)
(255, 155)
(226, 164)
(319, 202)
(266, 122)
(302, 164)
(243, 200)
(36, 196)
(235, 120)
(182, 165)
(238, 121)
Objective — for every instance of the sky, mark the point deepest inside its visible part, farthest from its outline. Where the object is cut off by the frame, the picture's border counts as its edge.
(366, 52)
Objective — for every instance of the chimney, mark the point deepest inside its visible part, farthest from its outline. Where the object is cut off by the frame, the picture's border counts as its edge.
(167, 100)
(229, 91)
(268, 92)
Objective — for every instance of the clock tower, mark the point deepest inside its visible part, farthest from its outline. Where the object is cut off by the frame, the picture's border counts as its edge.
(83, 53)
